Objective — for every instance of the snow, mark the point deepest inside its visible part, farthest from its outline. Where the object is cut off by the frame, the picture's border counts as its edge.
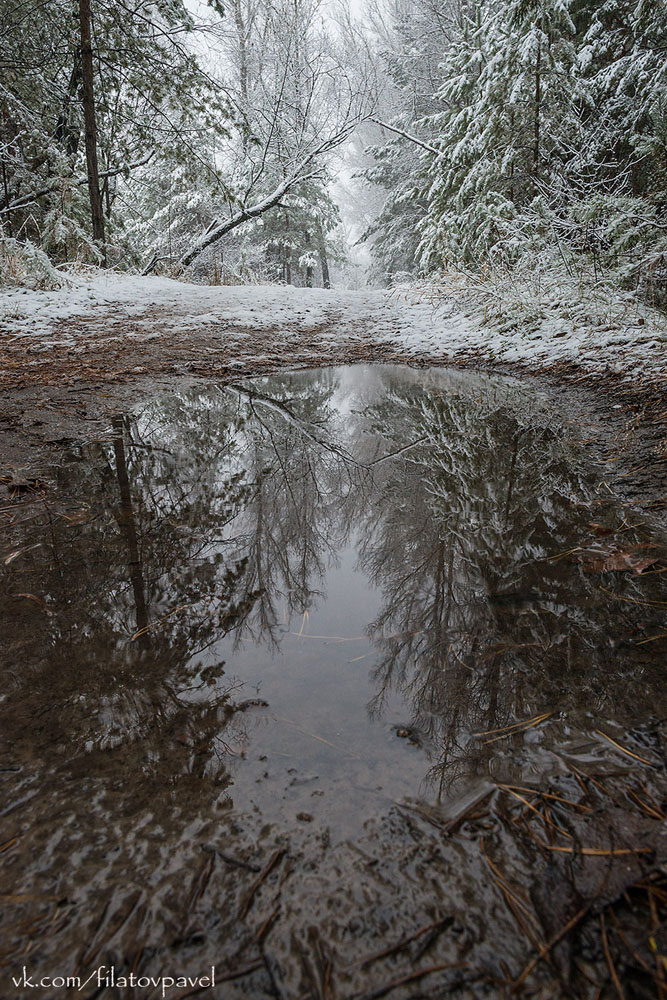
(114, 306)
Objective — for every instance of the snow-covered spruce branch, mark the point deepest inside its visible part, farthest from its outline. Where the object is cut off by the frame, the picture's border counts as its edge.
(28, 199)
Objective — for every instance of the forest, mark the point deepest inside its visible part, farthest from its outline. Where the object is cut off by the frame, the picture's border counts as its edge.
(314, 143)
(333, 465)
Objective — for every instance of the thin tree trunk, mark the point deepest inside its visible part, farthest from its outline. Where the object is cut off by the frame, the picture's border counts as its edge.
(96, 207)
(510, 478)
(287, 262)
(512, 166)
(6, 190)
(106, 197)
(538, 98)
(64, 132)
(309, 267)
(324, 261)
(129, 529)
(243, 65)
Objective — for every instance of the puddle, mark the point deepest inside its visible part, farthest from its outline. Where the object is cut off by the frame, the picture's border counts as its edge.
(299, 608)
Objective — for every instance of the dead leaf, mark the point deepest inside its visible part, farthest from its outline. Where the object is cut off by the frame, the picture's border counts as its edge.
(634, 559)
(600, 530)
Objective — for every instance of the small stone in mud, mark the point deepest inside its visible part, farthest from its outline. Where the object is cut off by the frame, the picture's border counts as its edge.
(304, 817)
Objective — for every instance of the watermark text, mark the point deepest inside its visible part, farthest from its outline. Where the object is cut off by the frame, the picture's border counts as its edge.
(106, 976)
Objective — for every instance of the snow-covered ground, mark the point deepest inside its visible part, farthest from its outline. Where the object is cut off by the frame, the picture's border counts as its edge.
(116, 306)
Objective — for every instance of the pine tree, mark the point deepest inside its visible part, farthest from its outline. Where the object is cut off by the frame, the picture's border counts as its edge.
(508, 126)
(150, 97)
(621, 170)
(410, 52)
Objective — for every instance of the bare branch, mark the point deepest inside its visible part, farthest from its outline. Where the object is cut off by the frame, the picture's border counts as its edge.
(406, 135)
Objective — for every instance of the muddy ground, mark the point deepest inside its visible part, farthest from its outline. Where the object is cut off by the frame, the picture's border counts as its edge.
(551, 891)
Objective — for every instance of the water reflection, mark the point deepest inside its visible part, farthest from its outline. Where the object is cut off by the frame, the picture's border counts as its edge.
(487, 623)
(302, 567)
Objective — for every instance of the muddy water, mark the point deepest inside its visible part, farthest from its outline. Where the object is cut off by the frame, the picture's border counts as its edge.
(261, 632)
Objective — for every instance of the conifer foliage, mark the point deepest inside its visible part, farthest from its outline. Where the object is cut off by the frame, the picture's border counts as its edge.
(133, 135)
(90, 92)
(550, 130)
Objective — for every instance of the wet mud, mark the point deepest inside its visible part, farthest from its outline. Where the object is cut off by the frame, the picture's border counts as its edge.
(348, 683)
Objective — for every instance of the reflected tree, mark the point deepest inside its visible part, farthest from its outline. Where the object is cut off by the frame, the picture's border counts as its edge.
(214, 515)
(480, 624)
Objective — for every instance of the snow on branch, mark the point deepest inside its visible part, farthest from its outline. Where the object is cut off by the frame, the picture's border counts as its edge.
(406, 135)
(299, 175)
(217, 230)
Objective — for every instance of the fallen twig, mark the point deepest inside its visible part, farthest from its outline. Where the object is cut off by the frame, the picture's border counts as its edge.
(629, 753)
(230, 860)
(549, 945)
(607, 955)
(382, 991)
(273, 861)
(443, 922)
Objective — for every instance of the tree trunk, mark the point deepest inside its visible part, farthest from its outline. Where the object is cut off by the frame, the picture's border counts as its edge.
(512, 139)
(243, 65)
(287, 262)
(65, 133)
(6, 191)
(96, 208)
(324, 260)
(129, 529)
(309, 267)
(538, 98)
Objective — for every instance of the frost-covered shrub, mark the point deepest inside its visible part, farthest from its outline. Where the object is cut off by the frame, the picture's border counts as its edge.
(25, 264)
